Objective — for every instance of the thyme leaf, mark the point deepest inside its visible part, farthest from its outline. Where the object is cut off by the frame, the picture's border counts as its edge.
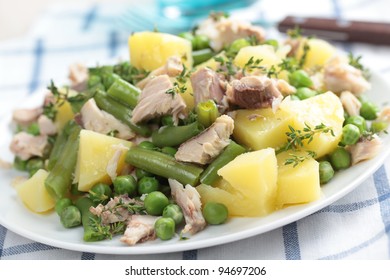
(297, 159)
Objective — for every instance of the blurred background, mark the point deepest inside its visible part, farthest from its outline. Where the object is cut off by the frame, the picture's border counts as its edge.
(39, 39)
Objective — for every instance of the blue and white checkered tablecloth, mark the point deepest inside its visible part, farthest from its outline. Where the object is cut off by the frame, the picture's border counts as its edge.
(355, 227)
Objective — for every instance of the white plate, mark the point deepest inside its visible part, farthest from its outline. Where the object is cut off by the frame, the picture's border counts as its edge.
(48, 230)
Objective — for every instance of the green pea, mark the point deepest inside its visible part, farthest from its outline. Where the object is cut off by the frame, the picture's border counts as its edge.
(147, 145)
(187, 35)
(70, 216)
(379, 126)
(326, 171)
(167, 120)
(215, 213)
(125, 184)
(369, 110)
(61, 204)
(237, 45)
(93, 80)
(169, 151)
(155, 202)
(165, 228)
(33, 165)
(300, 78)
(140, 173)
(100, 193)
(304, 93)
(147, 185)
(173, 211)
(359, 121)
(20, 164)
(200, 42)
(340, 158)
(350, 135)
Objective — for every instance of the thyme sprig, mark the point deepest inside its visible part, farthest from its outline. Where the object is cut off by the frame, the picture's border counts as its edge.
(354, 61)
(176, 89)
(296, 137)
(131, 207)
(297, 159)
(179, 86)
(59, 97)
(106, 231)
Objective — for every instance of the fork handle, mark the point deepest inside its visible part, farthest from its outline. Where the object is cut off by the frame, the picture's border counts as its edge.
(340, 30)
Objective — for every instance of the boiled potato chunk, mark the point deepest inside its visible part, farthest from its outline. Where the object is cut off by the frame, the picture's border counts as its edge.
(324, 108)
(95, 152)
(252, 177)
(150, 50)
(265, 53)
(299, 184)
(318, 54)
(188, 95)
(33, 193)
(234, 201)
(64, 114)
(262, 128)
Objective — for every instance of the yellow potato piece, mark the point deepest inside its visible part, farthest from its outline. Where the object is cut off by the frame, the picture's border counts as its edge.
(265, 53)
(299, 184)
(237, 205)
(262, 128)
(34, 194)
(318, 54)
(95, 152)
(64, 114)
(150, 50)
(252, 177)
(324, 108)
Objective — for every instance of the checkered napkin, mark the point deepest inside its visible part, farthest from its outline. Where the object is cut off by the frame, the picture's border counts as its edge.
(355, 227)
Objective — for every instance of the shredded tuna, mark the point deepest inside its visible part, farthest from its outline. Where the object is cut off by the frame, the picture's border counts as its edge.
(112, 164)
(140, 228)
(365, 149)
(223, 31)
(173, 67)
(115, 210)
(384, 115)
(350, 103)
(46, 126)
(253, 92)
(204, 147)
(26, 117)
(154, 101)
(340, 76)
(206, 85)
(102, 122)
(78, 76)
(284, 87)
(188, 199)
(25, 145)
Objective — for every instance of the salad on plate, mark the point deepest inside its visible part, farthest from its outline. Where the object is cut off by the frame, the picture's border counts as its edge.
(196, 128)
